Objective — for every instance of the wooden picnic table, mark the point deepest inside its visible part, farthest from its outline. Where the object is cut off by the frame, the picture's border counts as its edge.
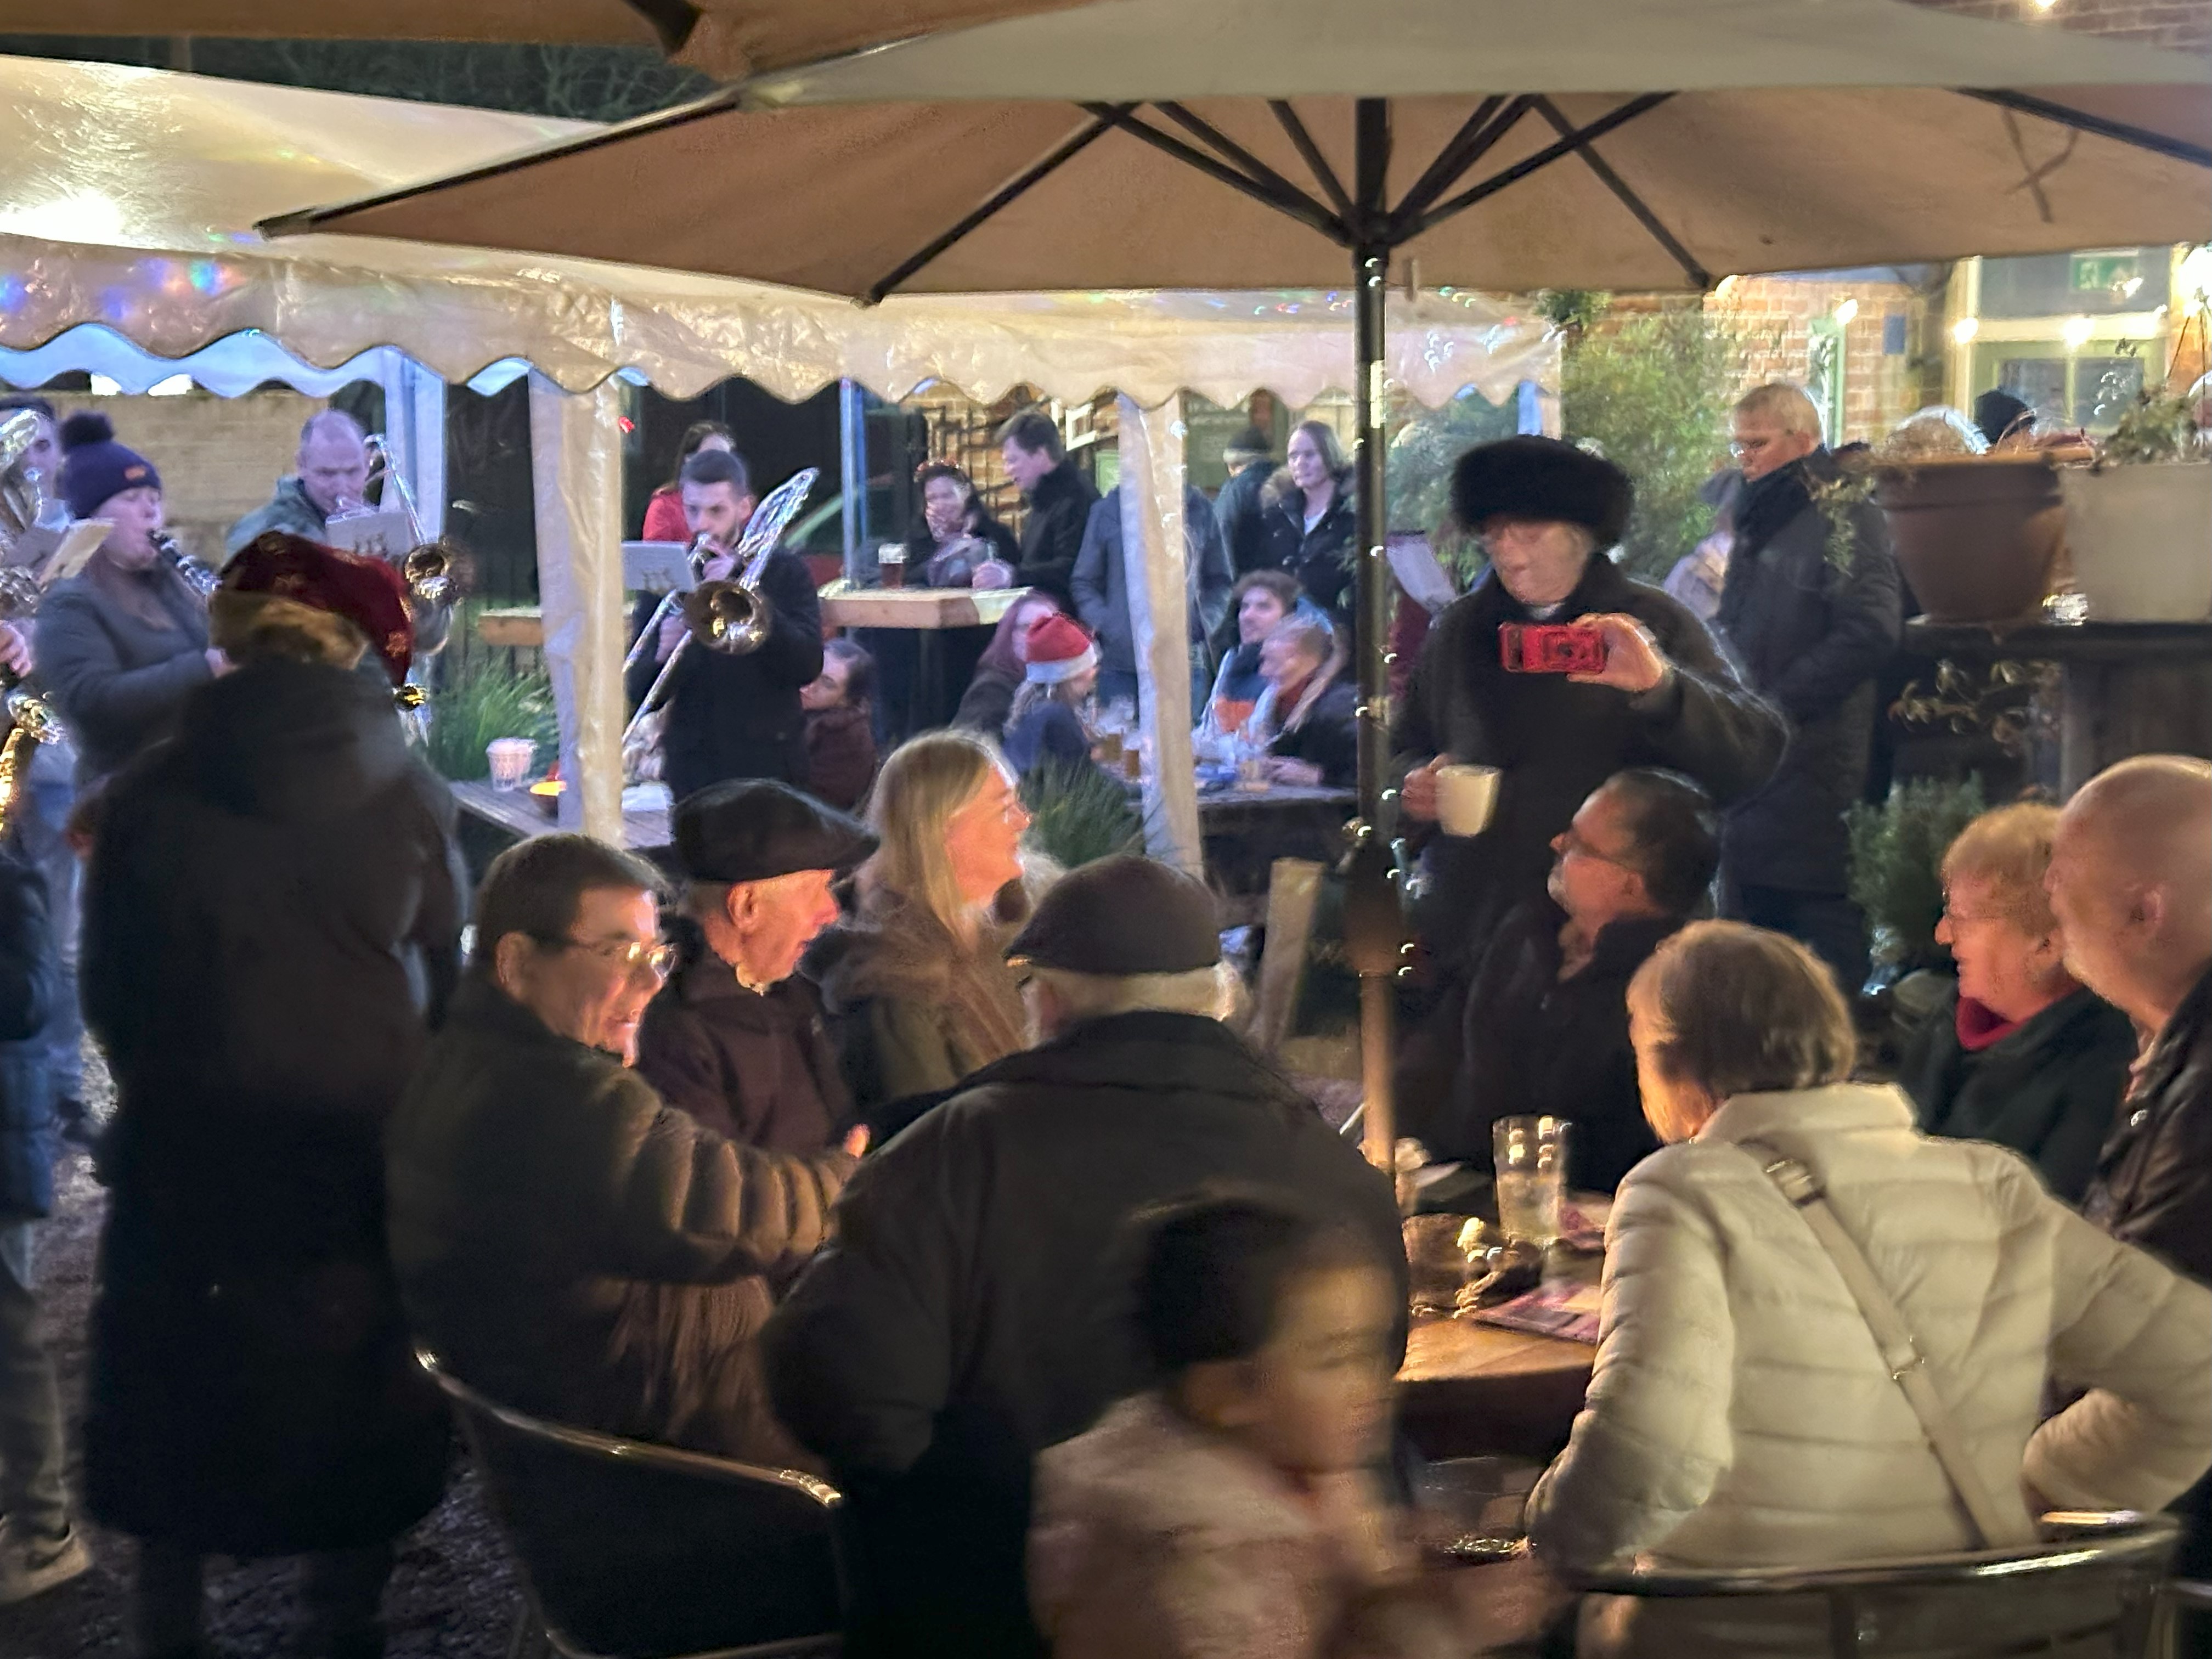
(1466, 1389)
(493, 820)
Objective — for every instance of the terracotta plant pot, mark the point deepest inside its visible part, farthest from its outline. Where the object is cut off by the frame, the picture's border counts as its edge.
(1978, 537)
(2139, 538)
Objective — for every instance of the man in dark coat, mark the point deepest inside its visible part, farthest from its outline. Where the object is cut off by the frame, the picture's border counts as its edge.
(273, 914)
(733, 715)
(1666, 697)
(1811, 629)
(1546, 1030)
(736, 1037)
(968, 1314)
(1060, 501)
(566, 1242)
(2132, 888)
(1102, 593)
(1237, 507)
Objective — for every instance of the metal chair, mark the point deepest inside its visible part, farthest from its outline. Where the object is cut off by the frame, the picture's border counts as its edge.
(2126, 1553)
(631, 1551)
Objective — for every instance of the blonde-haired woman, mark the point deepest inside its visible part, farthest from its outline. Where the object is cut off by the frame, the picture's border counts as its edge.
(918, 981)
(2021, 1055)
(1741, 1413)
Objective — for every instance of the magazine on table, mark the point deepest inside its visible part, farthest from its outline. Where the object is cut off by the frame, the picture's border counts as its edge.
(1563, 1310)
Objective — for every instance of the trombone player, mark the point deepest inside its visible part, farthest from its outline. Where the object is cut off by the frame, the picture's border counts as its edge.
(330, 477)
(733, 715)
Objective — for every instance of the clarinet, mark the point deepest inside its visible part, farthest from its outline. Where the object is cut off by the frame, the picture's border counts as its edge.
(197, 574)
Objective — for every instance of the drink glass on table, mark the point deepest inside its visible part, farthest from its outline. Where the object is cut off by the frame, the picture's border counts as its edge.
(890, 564)
(1531, 1159)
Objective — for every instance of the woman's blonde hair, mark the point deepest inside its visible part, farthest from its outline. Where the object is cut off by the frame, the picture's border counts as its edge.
(1733, 1010)
(924, 782)
(2011, 850)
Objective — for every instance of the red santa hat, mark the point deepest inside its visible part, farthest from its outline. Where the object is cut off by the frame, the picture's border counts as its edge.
(1060, 647)
(278, 579)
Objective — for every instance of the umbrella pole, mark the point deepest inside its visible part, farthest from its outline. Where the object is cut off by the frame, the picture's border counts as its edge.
(1374, 925)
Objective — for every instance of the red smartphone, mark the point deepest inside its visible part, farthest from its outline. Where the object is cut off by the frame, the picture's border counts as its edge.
(1550, 648)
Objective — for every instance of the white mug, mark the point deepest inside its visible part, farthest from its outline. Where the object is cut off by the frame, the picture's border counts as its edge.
(1465, 798)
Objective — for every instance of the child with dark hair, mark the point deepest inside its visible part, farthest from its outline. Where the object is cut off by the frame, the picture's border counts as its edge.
(840, 727)
(1228, 1513)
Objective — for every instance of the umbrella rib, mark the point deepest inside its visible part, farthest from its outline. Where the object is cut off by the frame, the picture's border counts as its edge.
(1542, 158)
(1324, 175)
(1296, 206)
(1008, 193)
(2158, 143)
(1235, 153)
(1476, 137)
(1613, 181)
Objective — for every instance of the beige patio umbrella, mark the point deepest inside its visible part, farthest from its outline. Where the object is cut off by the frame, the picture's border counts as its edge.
(1199, 144)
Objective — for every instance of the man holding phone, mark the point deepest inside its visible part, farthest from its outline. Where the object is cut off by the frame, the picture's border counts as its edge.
(1659, 695)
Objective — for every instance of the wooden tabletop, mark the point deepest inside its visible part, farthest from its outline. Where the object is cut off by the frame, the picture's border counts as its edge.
(517, 811)
(926, 609)
(1467, 1389)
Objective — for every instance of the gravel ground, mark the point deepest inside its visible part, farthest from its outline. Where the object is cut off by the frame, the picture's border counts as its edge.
(453, 1596)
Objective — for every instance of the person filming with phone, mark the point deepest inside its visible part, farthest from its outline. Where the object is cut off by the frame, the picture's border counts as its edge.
(1556, 672)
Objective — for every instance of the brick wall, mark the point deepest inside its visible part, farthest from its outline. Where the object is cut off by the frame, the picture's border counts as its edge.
(1773, 316)
(219, 457)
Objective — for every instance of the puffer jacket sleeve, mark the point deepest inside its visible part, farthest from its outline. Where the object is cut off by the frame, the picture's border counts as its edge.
(680, 1204)
(2138, 1335)
(1653, 1439)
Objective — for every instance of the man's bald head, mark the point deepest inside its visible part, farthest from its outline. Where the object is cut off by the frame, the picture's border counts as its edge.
(333, 465)
(2130, 880)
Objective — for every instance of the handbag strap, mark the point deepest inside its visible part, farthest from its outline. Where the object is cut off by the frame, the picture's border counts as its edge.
(1994, 1525)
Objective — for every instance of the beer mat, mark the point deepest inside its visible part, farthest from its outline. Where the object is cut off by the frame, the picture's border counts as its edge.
(1581, 1224)
(1563, 1310)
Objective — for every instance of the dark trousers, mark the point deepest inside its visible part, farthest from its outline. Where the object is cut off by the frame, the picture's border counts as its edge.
(342, 1590)
(1828, 924)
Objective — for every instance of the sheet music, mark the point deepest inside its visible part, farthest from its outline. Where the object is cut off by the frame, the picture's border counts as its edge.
(656, 566)
(380, 535)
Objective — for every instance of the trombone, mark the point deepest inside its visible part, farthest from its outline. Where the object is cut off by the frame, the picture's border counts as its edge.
(696, 556)
(428, 568)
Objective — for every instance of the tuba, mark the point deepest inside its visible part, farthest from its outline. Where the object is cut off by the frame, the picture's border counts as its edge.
(33, 721)
(731, 616)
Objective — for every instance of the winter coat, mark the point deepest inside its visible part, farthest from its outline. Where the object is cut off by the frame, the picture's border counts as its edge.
(30, 991)
(1323, 732)
(1241, 514)
(288, 510)
(841, 755)
(272, 916)
(1101, 582)
(117, 674)
(1320, 558)
(988, 704)
(1154, 1537)
(1557, 741)
(755, 1067)
(665, 518)
(922, 547)
(1740, 1415)
(969, 1311)
(1051, 535)
(573, 1247)
(1050, 735)
(1810, 638)
(1537, 1045)
(2049, 1090)
(2154, 1181)
(913, 1010)
(738, 716)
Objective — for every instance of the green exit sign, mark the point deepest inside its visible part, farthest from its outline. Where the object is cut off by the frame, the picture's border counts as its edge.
(2117, 274)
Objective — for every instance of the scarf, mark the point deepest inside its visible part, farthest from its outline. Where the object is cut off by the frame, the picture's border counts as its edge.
(1980, 1027)
(1766, 505)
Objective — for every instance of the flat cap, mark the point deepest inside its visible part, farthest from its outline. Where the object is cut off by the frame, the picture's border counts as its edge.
(1542, 478)
(755, 830)
(1120, 917)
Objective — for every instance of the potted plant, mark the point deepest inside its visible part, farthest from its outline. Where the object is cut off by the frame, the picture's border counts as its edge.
(2139, 517)
(1977, 535)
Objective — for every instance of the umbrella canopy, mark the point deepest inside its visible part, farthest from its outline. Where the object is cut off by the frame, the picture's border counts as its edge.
(725, 38)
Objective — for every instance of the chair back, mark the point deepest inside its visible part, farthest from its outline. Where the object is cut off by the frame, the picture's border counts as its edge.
(645, 1551)
(2104, 1570)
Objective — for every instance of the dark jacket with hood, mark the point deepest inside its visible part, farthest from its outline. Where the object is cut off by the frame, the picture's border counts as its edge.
(971, 1308)
(1240, 512)
(1557, 741)
(738, 716)
(756, 1066)
(1320, 558)
(573, 1247)
(2049, 1089)
(1536, 1044)
(1051, 535)
(272, 920)
(1809, 638)
(119, 651)
(30, 988)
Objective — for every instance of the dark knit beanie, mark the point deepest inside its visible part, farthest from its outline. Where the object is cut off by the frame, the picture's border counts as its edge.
(1542, 478)
(1123, 915)
(95, 467)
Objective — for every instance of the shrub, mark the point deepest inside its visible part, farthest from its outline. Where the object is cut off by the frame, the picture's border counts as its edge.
(482, 699)
(1897, 860)
(1078, 815)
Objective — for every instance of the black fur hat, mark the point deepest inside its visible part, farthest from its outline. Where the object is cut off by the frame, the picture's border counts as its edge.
(1542, 478)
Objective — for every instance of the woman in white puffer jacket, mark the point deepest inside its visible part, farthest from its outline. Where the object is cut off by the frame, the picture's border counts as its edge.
(1741, 1414)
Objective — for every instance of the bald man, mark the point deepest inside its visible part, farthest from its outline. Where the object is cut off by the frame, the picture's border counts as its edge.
(2131, 881)
(331, 471)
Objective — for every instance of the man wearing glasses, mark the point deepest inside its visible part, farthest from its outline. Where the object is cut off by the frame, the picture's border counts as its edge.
(568, 1243)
